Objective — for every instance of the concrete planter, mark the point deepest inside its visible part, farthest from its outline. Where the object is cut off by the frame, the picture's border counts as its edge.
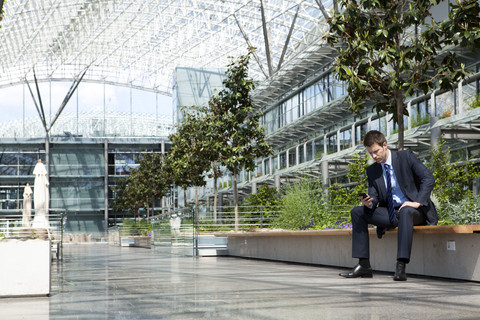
(135, 241)
(440, 251)
(25, 267)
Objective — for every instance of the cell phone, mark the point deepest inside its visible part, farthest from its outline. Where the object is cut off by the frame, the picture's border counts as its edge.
(362, 194)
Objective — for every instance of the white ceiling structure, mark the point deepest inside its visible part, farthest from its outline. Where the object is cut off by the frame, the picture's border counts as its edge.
(138, 43)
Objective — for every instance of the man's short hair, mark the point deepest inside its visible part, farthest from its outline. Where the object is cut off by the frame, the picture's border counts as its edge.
(373, 137)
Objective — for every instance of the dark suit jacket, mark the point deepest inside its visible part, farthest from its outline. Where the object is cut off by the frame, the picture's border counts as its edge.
(414, 179)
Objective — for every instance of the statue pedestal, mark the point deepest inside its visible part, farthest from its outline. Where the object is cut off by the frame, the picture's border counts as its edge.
(25, 267)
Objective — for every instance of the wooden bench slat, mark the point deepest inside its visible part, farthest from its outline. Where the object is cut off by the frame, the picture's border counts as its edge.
(443, 229)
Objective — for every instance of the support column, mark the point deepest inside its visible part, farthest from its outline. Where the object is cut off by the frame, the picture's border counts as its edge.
(353, 135)
(254, 187)
(460, 97)
(297, 155)
(105, 151)
(388, 124)
(339, 148)
(47, 155)
(435, 133)
(325, 174)
(305, 153)
(277, 182)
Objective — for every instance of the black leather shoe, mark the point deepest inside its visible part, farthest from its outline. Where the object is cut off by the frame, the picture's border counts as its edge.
(400, 274)
(380, 232)
(357, 272)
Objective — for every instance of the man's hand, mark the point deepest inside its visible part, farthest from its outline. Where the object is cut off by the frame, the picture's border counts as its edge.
(367, 201)
(412, 204)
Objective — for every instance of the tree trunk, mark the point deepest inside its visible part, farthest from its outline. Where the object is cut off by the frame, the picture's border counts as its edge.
(153, 208)
(197, 230)
(235, 198)
(196, 206)
(215, 197)
(184, 198)
(400, 122)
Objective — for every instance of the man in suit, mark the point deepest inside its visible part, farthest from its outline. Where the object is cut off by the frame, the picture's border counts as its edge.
(399, 188)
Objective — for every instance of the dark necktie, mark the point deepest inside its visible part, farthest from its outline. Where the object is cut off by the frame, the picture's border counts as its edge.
(391, 208)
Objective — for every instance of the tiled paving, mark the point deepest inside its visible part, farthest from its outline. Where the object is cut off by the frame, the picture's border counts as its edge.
(98, 281)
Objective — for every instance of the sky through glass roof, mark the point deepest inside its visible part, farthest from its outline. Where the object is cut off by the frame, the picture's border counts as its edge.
(138, 43)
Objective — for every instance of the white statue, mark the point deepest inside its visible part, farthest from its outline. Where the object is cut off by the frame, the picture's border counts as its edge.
(41, 196)
(27, 206)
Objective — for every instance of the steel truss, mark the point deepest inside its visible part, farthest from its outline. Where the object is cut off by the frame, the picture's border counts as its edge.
(138, 43)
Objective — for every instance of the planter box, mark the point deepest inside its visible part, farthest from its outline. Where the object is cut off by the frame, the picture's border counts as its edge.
(25, 267)
(440, 251)
(210, 245)
(135, 241)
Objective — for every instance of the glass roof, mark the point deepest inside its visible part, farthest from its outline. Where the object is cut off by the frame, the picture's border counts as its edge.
(139, 43)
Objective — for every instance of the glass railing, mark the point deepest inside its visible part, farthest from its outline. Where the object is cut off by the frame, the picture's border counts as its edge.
(23, 226)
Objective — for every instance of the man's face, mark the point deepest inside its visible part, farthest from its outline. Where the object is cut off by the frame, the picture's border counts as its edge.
(378, 152)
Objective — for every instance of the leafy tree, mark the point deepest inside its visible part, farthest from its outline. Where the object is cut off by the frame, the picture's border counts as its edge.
(154, 179)
(215, 173)
(129, 196)
(390, 50)
(1, 11)
(2, 2)
(187, 160)
(119, 192)
(242, 139)
(213, 136)
(143, 186)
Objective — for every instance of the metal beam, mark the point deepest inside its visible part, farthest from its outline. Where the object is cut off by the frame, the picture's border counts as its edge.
(39, 98)
(265, 36)
(322, 8)
(287, 41)
(42, 119)
(250, 46)
(67, 97)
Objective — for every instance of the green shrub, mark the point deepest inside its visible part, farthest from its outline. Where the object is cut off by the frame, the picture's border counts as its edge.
(452, 181)
(465, 211)
(475, 102)
(341, 199)
(259, 209)
(301, 206)
(135, 228)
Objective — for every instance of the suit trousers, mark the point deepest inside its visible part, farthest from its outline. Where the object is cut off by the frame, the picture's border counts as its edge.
(406, 218)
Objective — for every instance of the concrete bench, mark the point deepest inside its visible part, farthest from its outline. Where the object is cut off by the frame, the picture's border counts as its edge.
(135, 241)
(451, 251)
(429, 229)
(212, 245)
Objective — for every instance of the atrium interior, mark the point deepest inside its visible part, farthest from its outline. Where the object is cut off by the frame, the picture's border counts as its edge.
(179, 50)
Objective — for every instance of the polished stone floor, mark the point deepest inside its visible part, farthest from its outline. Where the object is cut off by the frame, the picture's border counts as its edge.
(98, 281)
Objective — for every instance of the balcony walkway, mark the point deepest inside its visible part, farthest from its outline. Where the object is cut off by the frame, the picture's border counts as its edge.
(98, 281)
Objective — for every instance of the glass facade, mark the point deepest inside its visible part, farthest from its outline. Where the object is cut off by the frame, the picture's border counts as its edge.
(194, 87)
(82, 172)
(314, 96)
(295, 125)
